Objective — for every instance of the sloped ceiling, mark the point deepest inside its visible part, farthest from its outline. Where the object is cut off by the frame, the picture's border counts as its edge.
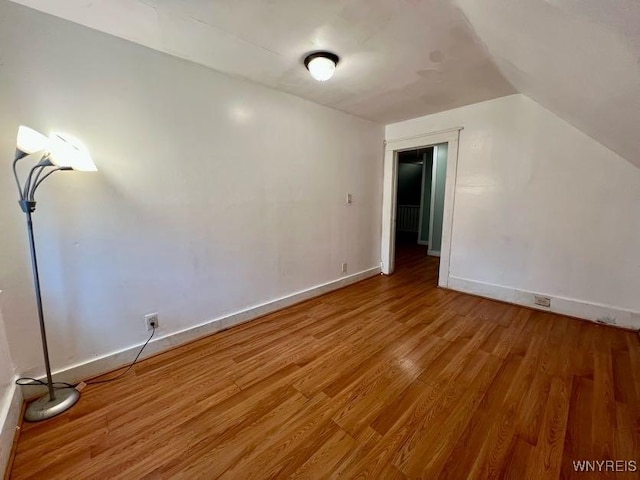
(578, 58)
(399, 58)
(406, 58)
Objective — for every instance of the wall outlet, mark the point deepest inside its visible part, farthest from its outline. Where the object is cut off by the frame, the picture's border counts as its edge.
(542, 301)
(606, 320)
(151, 321)
(349, 199)
(344, 268)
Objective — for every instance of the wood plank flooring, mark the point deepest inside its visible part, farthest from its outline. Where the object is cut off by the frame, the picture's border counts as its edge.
(390, 378)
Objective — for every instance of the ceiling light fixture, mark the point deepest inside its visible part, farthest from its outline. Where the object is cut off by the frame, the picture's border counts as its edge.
(321, 65)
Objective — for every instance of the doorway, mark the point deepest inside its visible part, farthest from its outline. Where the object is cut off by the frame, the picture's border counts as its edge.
(444, 145)
(413, 196)
(420, 187)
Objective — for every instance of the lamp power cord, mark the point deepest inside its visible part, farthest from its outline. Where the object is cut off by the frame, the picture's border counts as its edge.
(28, 381)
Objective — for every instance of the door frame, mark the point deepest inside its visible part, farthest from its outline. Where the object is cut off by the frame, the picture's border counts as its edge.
(390, 179)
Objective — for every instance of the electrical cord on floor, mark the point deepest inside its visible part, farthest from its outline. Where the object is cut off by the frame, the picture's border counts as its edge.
(130, 366)
(35, 382)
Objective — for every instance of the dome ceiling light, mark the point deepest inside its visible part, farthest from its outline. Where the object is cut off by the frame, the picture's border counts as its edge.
(321, 65)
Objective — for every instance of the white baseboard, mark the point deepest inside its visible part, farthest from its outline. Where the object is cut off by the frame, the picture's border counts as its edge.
(10, 410)
(111, 361)
(595, 312)
(433, 253)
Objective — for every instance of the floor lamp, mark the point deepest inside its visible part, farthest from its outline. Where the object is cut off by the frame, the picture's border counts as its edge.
(59, 152)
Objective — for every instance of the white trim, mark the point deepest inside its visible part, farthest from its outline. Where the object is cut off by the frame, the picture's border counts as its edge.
(389, 186)
(392, 147)
(111, 361)
(423, 136)
(433, 253)
(10, 411)
(447, 213)
(595, 312)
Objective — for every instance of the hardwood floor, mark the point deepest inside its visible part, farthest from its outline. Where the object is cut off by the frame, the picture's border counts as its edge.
(390, 378)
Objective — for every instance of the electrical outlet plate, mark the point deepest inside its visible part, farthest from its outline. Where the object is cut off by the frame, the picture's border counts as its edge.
(344, 268)
(151, 320)
(607, 320)
(542, 301)
(349, 199)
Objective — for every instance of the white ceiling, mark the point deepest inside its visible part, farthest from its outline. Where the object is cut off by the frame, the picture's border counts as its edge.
(406, 58)
(578, 58)
(399, 58)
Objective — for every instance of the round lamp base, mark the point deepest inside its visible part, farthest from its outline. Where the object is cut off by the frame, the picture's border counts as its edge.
(44, 408)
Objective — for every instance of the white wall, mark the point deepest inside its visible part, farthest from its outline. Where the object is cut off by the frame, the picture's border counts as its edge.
(540, 207)
(7, 372)
(213, 194)
(10, 401)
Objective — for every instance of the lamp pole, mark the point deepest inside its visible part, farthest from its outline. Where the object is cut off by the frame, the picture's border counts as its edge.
(36, 284)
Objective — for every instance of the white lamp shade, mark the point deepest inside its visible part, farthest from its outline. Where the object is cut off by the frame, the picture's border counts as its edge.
(68, 151)
(321, 68)
(29, 141)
